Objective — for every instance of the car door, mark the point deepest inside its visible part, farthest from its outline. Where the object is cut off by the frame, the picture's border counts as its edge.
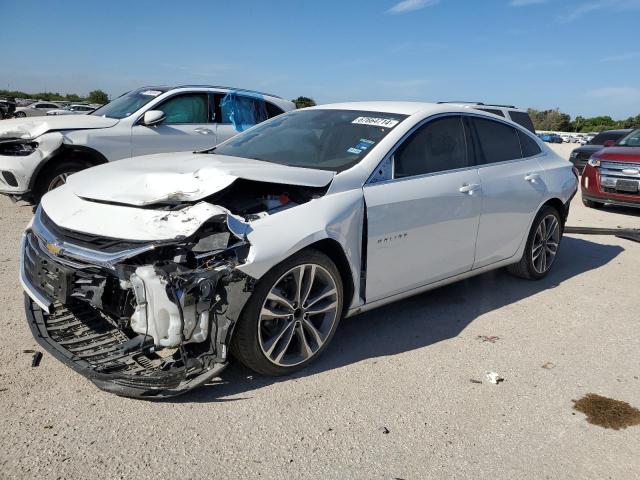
(236, 112)
(512, 188)
(422, 223)
(188, 126)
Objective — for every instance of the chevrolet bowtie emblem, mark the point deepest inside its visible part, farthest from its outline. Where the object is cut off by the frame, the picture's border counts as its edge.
(53, 248)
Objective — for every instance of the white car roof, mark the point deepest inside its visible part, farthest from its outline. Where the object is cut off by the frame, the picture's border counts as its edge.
(402, 108)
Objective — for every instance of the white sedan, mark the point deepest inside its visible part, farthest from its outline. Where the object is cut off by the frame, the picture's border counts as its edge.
(36, 109)
(144, 274)
(72, 110)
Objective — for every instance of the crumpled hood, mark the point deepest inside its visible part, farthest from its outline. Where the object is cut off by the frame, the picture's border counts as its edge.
(32, 127)
(182, 177)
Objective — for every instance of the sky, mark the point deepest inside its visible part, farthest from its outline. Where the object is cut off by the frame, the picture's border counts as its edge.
(582, 56)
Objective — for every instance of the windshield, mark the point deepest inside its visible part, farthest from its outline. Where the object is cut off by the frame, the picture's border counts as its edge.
(631, 140)
(322, 139)
(128, 103)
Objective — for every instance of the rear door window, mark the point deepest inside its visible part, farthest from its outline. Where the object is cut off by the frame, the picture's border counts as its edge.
(523, 119)
(497, 141)
(437, 146)
(242, 111)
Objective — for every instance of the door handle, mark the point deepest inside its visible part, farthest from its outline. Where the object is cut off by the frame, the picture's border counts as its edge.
(532, 177)
(469, 188)
(203, 131)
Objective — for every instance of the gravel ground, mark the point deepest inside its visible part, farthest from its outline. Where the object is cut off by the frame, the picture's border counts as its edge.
(392, 397)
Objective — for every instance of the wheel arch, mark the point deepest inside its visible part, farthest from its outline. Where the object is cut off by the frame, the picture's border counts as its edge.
(559, 205)
(77, 153)
(332, 249)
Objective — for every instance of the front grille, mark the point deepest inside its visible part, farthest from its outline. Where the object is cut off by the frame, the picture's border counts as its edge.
(85, 334)
(92, 242)
(48, 277)
(616, 169)
(620, 177)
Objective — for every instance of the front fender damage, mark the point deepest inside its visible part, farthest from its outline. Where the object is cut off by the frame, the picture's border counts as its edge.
(21, 157)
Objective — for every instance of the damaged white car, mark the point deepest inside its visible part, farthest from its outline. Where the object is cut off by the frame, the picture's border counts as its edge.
(145, 275)
(38, 154)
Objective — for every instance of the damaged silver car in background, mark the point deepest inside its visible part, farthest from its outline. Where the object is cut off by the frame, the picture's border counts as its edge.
(145, 276)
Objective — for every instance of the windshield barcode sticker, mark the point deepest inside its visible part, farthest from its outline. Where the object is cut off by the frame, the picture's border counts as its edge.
(377, 122)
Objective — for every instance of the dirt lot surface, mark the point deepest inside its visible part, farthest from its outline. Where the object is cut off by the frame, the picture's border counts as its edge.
(401, 392)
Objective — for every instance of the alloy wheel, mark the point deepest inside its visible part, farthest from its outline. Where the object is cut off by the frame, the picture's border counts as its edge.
(298, 315)
(545, 243)
(58, 181)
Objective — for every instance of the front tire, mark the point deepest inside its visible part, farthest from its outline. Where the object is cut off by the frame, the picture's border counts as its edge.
(20, 115)
(291, 316)
(55, 177)
(542, 246)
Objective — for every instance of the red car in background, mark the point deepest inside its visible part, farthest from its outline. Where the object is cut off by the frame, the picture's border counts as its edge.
(612, 175)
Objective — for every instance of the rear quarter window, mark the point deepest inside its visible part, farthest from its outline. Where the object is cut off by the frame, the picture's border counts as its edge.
(522, 119)
(273, 110)
(529, 146)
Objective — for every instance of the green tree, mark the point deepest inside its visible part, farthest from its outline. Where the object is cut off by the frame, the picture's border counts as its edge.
(98, 96)
(302, 102)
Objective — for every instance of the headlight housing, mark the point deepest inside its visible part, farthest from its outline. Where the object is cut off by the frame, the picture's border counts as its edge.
(594, 162)
(17, 148)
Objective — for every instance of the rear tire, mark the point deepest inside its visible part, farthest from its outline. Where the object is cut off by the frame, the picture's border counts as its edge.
(542, 246)
(55, 177)
(592, 204)
(278, 332)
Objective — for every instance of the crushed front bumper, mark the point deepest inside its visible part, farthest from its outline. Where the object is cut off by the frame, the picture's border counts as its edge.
(93, 344)
(84, 341)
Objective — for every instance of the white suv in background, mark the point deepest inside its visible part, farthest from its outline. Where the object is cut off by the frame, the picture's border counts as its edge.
(510, 112)
(37, 155)
(36, 109)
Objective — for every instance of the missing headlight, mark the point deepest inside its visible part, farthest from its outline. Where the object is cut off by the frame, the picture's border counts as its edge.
(213, 242)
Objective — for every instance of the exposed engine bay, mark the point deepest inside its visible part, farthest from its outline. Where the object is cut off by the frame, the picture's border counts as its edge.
(148, 318)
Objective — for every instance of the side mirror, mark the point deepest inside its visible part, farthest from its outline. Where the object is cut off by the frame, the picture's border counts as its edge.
(609, 143)
(153, 117)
